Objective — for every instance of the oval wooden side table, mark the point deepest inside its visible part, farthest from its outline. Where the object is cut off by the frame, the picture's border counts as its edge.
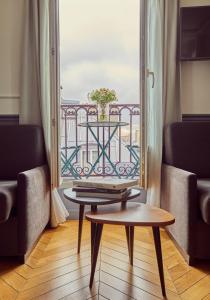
(130, 214)
(93, 202)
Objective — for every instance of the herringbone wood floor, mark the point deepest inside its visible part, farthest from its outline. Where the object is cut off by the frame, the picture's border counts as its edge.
(55, 271)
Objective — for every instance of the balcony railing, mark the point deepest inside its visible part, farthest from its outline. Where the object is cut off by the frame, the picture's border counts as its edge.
(79, 150)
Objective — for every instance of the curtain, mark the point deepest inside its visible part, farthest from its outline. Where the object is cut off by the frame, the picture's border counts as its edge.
(35, 103)
(163, 104)
(171, 66)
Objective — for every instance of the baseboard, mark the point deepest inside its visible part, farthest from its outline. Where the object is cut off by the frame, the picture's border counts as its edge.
(23, 258)
(190, 260)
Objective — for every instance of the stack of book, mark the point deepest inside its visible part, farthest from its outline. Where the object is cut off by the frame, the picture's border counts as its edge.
(103, 188)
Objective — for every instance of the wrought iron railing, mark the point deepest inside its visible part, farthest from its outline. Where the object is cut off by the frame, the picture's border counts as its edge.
(79, 150)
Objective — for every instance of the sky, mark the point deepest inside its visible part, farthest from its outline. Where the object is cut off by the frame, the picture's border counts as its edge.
(99, 47)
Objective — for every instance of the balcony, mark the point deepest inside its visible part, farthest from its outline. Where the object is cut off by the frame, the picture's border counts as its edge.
(79, 150)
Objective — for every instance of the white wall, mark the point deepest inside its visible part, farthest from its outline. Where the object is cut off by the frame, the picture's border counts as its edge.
(11, 33)
(195, 79)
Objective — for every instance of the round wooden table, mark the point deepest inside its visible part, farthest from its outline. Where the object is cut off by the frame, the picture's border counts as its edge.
(130, 215)
(93, 202)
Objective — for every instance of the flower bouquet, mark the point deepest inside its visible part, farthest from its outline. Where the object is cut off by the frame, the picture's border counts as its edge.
(102, 97)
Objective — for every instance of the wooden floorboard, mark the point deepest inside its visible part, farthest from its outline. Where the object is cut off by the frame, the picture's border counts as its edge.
(55, 270)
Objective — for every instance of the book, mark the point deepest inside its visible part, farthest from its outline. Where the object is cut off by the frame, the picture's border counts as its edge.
(104, 195)
(109, 184)
(96, 190)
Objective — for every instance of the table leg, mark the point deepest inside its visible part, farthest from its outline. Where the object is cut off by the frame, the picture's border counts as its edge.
(123, 204)
(103, 151)
(156, 235)
(130, 241)
(67, 163)
(93, 230)
(131, 244)
(131, 173)
(127, 231)
(81, 215)
(97, 239)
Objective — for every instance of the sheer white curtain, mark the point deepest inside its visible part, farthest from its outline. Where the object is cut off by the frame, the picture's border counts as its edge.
(36, 99)
(163, 93)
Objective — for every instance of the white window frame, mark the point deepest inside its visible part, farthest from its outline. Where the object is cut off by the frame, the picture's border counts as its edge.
(143, 95)
(55, 92)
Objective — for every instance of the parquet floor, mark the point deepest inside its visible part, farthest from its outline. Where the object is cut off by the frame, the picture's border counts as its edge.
(55, 271)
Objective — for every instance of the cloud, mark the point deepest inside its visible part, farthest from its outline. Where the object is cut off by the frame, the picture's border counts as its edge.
(99, 42)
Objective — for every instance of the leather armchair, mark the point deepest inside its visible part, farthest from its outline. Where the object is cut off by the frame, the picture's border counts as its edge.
(24, 189)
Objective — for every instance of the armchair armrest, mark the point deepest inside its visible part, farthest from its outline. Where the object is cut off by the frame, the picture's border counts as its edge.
(179, 196)
(33, 205)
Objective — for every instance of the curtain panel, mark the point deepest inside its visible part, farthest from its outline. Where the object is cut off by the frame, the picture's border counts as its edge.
(36, 99)
(163, 101)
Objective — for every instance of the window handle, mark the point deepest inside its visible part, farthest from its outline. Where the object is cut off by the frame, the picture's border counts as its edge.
(150, 73)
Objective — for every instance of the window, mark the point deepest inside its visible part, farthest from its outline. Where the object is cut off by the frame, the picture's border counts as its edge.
(99, 47)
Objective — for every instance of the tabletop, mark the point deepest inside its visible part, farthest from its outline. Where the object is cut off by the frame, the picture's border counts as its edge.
(70, 195)
(103, 124)
(131, 214)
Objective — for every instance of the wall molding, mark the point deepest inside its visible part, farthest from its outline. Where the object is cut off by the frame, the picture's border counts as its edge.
(195, 117)
(2, 97)
(9, 119)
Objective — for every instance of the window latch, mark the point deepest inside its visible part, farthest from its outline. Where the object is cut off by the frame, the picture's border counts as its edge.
(150, 73)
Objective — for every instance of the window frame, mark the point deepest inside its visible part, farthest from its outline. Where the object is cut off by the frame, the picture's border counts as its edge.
(55, 93)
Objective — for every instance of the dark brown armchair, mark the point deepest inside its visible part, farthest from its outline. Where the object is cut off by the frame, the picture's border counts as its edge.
(186, 186)
(24, 189)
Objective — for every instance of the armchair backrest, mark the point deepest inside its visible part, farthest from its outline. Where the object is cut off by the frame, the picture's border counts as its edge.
(21, 149)
(187, 146)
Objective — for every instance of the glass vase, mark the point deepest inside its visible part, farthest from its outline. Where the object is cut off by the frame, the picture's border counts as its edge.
(102, 113)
